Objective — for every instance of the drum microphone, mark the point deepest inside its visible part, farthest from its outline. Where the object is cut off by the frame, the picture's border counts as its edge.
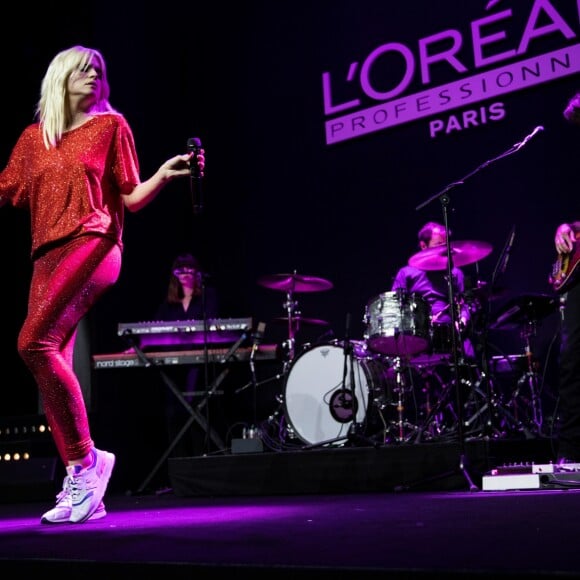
(258, 336)
(194, 146)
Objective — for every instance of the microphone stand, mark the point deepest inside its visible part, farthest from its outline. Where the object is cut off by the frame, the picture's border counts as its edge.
(443, 197)
(348, 351)
(258, 335)
(493, 404)
(202, 277)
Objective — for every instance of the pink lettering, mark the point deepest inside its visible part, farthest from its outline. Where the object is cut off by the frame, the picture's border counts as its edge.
(449, 55)
(558, 24)
(393, 47)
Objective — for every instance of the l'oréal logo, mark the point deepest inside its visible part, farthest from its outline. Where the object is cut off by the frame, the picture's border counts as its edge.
(507, 56)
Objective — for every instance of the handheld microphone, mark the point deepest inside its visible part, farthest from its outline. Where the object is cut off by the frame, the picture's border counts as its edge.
(523, 143)
(193, 146)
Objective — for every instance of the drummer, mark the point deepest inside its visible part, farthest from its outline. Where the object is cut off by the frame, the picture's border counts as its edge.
(432, 286)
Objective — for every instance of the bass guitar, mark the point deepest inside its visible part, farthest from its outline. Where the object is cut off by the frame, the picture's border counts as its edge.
(565, 271)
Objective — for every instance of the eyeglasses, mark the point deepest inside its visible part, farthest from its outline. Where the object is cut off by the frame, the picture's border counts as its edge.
(183, 271)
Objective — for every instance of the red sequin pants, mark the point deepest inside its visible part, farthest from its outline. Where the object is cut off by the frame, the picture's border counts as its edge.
(66, 282)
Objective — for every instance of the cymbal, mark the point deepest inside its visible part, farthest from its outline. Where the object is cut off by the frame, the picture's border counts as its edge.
(303, 320)
(295, 283)
(462, 253)
(525, 308)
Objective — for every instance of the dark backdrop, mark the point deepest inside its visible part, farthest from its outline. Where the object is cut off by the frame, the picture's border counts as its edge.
(247, 81)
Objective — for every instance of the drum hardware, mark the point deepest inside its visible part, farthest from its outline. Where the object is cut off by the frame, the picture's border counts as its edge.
(482, 413)
(404, 429)
(439, 417)
(290, 306)
(529, 383)
(485, 416)
(275, 431)
(495, 418)
(291, 283)
(525, 312)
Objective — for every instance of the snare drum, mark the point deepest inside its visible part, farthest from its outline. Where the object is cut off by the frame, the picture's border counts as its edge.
(397, 323)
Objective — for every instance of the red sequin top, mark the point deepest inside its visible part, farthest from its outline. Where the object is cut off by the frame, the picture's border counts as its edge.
(74, 188)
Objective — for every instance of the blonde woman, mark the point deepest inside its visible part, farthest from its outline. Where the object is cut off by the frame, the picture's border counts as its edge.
(75, 169)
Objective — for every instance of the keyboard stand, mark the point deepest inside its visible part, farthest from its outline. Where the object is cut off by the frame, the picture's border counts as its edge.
(194, 412)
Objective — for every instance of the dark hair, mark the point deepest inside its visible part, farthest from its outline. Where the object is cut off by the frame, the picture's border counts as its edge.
(185, 261)
(426, 232)
(175, 289)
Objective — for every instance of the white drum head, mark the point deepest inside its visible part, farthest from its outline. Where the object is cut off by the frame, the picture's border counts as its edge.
(318, 406)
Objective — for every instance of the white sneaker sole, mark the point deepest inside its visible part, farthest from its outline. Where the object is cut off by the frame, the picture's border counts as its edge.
(109, 461)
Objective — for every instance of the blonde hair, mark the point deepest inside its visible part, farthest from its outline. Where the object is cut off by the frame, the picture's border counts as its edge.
(53, 110)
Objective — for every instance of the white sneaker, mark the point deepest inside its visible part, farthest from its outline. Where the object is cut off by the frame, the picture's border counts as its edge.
(61, 512)
(88, 485)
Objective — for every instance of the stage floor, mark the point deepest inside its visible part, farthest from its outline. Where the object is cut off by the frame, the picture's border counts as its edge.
(457, 534)
(388, 510)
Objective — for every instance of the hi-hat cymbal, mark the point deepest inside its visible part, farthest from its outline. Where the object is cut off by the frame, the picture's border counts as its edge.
(295, 283)
(524, 309)
(462, 254)
(298, 319)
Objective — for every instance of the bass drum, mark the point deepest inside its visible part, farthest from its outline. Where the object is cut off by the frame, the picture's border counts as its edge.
(318, 407)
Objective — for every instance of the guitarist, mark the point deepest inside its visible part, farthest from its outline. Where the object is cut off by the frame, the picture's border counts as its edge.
(569, 371)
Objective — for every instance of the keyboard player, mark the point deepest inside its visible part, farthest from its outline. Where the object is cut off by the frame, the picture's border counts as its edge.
(187, 297)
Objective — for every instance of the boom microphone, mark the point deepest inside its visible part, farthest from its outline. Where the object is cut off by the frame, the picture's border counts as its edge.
(523, 143)
(194, 146)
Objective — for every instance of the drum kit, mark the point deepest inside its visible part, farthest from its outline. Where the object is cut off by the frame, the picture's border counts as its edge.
(291, 284)
(396, 384)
